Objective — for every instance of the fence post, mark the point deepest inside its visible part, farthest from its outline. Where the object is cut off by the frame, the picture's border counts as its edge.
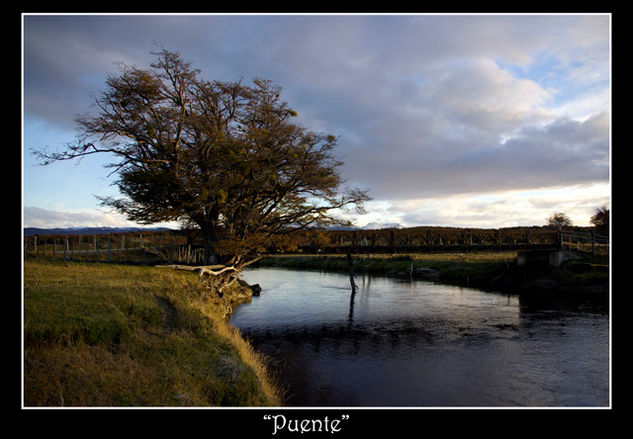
(560, 236)
(109, 248)
(593, 242)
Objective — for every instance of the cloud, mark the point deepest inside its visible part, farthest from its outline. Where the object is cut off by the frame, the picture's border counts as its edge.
(503, 209)
(465, 161)
(46, 218)
(425, 106)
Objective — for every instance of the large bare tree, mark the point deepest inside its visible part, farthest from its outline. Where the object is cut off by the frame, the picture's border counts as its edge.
(223, 156)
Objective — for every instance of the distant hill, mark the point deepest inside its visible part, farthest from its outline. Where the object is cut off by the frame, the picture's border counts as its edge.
(31, 231)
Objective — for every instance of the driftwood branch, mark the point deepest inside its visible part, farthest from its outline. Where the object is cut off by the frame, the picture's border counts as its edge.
(202, 269)
(211, 269)
(229, 283)
(252, 261)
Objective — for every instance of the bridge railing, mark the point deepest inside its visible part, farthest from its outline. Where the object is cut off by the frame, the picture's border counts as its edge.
(417, 240)
(584, 241)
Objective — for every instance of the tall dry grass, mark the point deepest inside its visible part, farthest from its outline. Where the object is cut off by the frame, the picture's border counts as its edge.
(118, 335)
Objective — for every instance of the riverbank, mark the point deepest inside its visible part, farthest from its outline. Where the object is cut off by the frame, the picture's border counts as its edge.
(99, 334)
(582, 280)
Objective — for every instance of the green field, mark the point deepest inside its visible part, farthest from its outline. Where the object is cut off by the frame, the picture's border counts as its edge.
(100, 334)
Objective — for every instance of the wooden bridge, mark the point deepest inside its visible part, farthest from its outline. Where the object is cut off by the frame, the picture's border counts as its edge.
(436, 239)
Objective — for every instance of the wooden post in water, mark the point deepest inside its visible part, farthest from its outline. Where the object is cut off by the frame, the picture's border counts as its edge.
(350, 264)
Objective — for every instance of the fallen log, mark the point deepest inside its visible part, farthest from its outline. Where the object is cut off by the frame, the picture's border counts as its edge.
(202, 269)
(210, 269)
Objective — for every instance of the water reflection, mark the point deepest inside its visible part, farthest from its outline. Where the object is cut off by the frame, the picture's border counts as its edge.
(395, 343)
(351, 307)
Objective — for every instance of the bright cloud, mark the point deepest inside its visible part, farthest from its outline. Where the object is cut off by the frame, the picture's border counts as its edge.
(46, 218)
(493, 210)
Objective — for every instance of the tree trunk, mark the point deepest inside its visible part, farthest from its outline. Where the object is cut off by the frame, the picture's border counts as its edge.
(210, 240)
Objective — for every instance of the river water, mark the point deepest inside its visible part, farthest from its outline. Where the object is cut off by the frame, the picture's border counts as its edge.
(401, 343)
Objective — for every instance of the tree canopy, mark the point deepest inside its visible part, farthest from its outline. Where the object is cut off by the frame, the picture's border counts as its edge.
(223, 156)
(559, 220)
(600, 219)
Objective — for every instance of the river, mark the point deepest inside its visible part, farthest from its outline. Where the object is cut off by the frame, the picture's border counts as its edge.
(398, 343)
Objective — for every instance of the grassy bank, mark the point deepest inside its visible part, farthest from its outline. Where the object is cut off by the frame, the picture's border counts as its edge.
(586, 278)
(118, 335)
(445, 267)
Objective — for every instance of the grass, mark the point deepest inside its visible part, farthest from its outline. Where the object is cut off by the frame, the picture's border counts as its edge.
(99, 334)
(450, 266)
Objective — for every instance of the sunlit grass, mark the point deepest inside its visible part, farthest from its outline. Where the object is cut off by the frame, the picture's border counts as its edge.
(448, 256)
(96, 335)
(449, 265)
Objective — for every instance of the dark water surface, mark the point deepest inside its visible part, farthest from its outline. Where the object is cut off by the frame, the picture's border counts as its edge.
(420, 344)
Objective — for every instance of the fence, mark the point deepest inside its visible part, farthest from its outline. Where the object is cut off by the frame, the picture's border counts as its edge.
(584, 241)
(175, 247)
(419, 239)
(134, 248)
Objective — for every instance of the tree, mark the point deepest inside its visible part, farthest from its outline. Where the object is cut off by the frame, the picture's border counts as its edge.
(223, 156)
(559, 220)
(600, 219)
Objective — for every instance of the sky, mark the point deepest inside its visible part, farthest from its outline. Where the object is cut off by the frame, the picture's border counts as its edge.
(465, 120)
